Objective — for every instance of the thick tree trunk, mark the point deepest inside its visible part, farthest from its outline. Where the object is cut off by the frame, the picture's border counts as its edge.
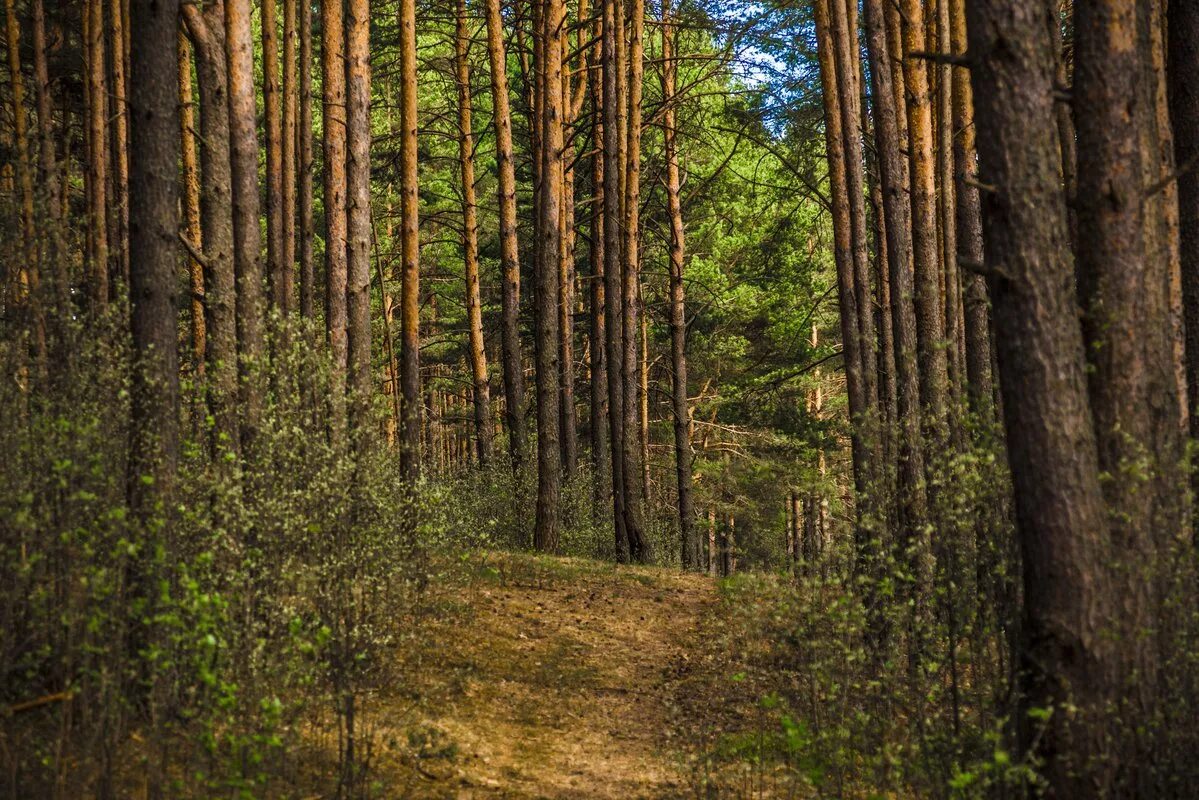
(514, 385)
(358, 217)
(549, 464)
(1068, 651)
(568, 422)
(333, 84)
(216, 221)
(154, 251)
(247, 239)
(470, 242)
(691, 548)
(409, 249)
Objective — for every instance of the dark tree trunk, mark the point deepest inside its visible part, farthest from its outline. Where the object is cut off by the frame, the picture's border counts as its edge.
(1067, 652)
(155, 255)
(1183, 73)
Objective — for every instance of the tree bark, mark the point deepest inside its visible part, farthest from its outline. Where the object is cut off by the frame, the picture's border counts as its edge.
(53, 251)
(568, 422)
(191, 203)
(470, 241)
(207, 33)
(272, 102)
(247, 239)
(692, 556)
(1183, 75)
(154, 254)
(968, 222)
(306, 169)
(410, 249)
(117, 58)
(549, 464)
(601, 443)
(358, 217)
(930, 326)
(287, 252)
(333, 84)
(1067, 652)
(97, 172)
(514, 391)
(630, 290)
(613, 169)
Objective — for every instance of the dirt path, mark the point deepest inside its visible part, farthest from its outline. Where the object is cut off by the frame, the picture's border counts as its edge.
(555, 679)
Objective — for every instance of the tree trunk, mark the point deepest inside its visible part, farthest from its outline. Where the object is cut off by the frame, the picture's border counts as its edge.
(691, 548)
(287, 253)
(410, 249)
(272, 102)
(514, 385)
(53, 253)
(930, 327)
(969, 227)
(630, 290)
(154, 254)
(954, 336)
(247, 239)
(568, 422)
(333, 84)
(97, 172)
(613, 168)
(549, 244)
(206, 31)
(119, 114)
(1068, 653)
(470, 241)
(851, 342)
(601, 443)
(358, 217)
(191, 203)
(306, 169)
(1183, 74)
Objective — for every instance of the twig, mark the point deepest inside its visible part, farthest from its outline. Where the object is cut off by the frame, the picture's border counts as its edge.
(38, 702)
(953, 59)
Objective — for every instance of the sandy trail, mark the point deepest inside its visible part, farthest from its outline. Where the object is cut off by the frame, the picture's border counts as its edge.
(555, 679)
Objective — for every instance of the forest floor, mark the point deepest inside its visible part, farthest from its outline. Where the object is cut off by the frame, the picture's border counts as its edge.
(558, 678)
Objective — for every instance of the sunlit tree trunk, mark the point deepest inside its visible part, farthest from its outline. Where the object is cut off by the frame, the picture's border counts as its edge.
(333, 85)
(119, 110)
(470, 241)
(568, 423)
(358, 216)
(191, 203)
(288, 147)
(601, 443)
(272, 102)
(547, 297)
(306, 168)
(409, 249)
(247, 239)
